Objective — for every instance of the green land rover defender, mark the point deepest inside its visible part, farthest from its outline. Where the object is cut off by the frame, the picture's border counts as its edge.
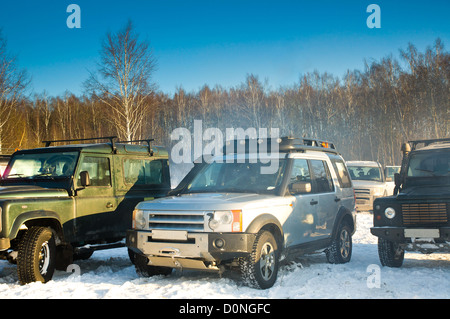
(60, 203)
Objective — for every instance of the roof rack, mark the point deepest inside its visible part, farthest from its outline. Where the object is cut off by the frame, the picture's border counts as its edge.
(286, 144)
(427, 142)
(148, 141)
(110, 138)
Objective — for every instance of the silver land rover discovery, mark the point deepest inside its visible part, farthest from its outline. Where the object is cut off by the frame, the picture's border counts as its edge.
(230, 212)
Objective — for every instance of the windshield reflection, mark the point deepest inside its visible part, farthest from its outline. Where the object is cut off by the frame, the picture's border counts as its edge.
(38, 165)
(237, 177)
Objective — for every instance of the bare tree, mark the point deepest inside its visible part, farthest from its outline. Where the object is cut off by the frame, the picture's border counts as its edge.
(13, 82)
(123, 80)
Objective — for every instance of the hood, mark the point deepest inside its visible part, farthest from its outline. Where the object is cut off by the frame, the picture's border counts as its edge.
(367, 184)
(214, 201)
(426, 191)
(26, 191)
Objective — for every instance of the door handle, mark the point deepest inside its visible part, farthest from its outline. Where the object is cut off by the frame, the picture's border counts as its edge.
(313, 202)
(337, 199)
(109, 205)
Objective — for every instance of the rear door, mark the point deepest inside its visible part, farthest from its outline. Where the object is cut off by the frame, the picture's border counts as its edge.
(345, 192)
(324, 189)
(139, 179)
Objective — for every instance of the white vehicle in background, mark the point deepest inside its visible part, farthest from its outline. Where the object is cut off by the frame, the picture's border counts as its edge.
(389, 172)
(368, 182)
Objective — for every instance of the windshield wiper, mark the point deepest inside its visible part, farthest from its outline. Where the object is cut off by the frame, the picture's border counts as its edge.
(44, 175)
(16, 174)
(425, 170)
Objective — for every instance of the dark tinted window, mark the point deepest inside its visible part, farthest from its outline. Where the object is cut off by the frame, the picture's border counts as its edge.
(321, 176)
(143, 171)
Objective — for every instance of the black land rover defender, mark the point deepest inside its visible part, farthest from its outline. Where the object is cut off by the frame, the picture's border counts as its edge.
(417, 217)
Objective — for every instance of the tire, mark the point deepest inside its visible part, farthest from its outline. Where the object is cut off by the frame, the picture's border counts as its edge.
(340, 250)
(260, 269)
(37, 255)
(144, 270)
(390, 253)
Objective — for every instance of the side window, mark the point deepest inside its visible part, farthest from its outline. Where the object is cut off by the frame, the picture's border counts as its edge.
(300, 178)
(342, 173)
(99, 170)
(322, 177)
(142, 171)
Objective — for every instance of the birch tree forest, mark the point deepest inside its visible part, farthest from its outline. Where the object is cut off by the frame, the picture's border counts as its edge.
(367, 113)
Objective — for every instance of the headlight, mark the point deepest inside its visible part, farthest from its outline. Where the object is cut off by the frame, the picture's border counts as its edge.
(378, 192)
(226, 221)
(138, 219)
(389, 212)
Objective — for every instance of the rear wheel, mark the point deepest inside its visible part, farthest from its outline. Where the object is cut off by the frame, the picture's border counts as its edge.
(37, 255)
(260, 268)
(340, 250)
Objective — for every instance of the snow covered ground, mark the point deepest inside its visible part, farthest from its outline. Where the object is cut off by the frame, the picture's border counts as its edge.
(110, 274)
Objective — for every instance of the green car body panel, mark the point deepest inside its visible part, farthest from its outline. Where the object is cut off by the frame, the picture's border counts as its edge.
(80, 215)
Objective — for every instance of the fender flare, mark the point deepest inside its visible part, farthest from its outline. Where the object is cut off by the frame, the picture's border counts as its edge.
(344, 215)
(271, 223)
(34, 215)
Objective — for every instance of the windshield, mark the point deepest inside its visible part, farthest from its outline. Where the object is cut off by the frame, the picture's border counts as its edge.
(428, 164)
(237, 178)
(37, 165)
(391, 170)
(365, 173)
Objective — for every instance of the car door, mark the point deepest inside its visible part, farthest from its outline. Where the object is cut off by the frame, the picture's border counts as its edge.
(299, 227)
(344, 193)
(141, 179)
(324, 189)
(95, 204)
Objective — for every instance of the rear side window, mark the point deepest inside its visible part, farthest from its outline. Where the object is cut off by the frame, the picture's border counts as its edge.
(342, 173)
(143, 171)
(322, 177)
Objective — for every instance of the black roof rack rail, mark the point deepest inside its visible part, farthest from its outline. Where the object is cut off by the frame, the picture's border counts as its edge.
(427, 142)
(148, 141)
(286, 144)
(110, 138)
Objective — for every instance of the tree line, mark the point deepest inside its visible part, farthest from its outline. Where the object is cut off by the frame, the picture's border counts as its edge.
(367, 113)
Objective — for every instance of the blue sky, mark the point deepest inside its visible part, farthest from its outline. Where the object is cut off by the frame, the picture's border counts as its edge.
(217, 41)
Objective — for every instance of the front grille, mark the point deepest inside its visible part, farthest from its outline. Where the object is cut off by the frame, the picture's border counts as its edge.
(362, 194)
(177, 220)
(424, 213)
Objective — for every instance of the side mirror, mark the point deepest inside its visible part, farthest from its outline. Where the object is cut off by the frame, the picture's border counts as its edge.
(397, 179)
(406, 148)
(300, 187)
(84, 179)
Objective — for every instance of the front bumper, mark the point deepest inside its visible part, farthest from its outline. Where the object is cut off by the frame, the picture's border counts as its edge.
(181, 249)
(421, 239)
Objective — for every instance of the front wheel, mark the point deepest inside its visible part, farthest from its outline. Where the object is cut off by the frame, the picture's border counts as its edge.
(391, 254)
(145, 270)
(260, 268)
(37, 255)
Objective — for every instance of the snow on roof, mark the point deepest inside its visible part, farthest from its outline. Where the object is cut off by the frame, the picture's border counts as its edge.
(362, 163)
